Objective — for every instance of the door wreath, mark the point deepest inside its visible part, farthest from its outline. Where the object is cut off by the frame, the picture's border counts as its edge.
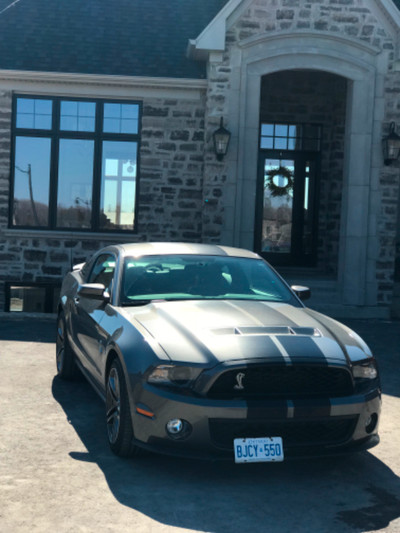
(277, 190)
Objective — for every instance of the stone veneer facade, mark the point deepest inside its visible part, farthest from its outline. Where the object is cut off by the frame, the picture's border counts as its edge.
(268, 36)
(186, 194)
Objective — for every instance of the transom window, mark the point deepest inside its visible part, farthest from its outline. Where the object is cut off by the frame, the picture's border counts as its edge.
(305, 137)
(75, 164)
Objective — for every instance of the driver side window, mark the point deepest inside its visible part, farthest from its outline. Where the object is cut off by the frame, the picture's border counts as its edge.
(103, 271)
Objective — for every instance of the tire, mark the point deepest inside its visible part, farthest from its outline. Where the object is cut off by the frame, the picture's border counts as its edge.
(65, 357)
(118, 413)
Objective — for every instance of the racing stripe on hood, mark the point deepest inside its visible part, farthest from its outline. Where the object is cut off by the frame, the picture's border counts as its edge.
(304, 348)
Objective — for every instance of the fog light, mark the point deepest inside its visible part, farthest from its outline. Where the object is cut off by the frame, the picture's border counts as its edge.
(175, 426)
(178, 429)
(370, 423)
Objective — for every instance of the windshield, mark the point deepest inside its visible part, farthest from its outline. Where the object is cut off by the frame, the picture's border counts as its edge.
(200, 277)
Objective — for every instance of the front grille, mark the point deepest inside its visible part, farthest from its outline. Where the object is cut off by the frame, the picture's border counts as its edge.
(280, 381)
(293, 432)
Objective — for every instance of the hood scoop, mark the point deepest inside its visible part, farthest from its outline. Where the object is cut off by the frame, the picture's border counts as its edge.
(268, 330)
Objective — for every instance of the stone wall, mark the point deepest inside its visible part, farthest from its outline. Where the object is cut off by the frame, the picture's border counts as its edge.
(170, 194)
(388, 186)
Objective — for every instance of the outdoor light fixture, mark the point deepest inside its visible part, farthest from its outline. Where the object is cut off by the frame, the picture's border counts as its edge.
(221, 138)
(391, 145)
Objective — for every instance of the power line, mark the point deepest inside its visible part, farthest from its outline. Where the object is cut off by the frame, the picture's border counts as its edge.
(11, 5)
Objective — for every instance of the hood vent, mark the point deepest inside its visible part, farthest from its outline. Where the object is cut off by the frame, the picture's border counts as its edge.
(268, 330)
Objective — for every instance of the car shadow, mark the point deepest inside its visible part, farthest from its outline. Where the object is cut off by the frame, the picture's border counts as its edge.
(27, 329)
(352, 493)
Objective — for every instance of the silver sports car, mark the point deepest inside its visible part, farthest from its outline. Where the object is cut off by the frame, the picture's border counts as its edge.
(205, 351)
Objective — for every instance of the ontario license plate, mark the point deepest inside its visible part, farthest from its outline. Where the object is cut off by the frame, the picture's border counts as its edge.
(258, 450)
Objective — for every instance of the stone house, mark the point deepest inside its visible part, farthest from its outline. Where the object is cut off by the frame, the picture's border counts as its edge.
(107, 116)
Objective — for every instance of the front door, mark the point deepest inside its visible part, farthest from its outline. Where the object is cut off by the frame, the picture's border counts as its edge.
(286, 232)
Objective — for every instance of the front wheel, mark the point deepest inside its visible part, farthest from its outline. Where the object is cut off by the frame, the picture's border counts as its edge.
(65, 357)
(118, 414)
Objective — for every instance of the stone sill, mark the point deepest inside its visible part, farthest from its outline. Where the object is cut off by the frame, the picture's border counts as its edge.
(65, 235)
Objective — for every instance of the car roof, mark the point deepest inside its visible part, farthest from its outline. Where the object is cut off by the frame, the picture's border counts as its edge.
(176, 248)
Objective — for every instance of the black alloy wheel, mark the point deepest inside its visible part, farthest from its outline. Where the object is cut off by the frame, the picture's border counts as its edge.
(65, 357)
(118, 415)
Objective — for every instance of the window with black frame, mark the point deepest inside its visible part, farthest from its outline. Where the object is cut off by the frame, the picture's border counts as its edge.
(74, 164)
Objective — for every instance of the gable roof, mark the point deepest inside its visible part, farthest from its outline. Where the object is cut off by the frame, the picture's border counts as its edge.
(112, 37)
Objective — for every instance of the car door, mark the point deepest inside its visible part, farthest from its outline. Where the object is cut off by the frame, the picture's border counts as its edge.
(88, 314)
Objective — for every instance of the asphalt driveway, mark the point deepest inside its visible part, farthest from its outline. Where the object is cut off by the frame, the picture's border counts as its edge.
(58, 475)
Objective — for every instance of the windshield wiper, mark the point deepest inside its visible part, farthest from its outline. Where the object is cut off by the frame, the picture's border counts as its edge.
(133, 303)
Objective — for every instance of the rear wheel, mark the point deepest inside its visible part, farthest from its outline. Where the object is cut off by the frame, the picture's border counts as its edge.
(118, 414)
(65, 357)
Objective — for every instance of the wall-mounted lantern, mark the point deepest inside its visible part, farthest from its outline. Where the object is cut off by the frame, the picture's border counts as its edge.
(391, 145)
(221, 138)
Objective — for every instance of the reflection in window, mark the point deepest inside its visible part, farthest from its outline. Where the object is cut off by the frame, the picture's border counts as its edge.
(60, 177)
(118, 190)
(278, 206)
(32, 181)
(77, 116)
(75, 177)
(121, 118)
(34, 113)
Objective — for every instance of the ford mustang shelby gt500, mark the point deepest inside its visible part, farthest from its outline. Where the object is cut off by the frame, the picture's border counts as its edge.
(205, 351)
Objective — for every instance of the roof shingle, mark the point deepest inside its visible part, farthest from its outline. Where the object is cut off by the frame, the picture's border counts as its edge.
(118, 37)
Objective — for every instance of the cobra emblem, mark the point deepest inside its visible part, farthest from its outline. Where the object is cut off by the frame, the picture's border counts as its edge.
(239, 378)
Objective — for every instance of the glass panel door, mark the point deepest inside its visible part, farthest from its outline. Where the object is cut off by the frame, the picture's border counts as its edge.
(277, 206)
(286, 229)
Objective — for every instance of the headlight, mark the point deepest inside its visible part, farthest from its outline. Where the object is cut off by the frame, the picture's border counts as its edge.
(365, 370)
(181, 376)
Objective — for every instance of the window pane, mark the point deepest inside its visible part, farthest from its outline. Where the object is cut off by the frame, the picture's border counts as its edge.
(267, 129)
(75, 178)
(27, 299)
(281, 130)
(121, 118)
(280, 144)
(31, 182)
(118, 188)
(103, 270)
(278, 206)
(267, 142)
(77, 116)
(34, 113)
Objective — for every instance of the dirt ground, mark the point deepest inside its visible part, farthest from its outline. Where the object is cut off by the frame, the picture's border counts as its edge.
(58, 475)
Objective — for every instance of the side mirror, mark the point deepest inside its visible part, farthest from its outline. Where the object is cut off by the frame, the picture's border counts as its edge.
(304, 293)
(94, 291)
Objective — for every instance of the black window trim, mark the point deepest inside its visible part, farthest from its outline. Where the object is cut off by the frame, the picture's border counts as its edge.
(55, 134)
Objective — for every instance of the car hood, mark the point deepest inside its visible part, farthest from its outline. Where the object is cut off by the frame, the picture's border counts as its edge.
(210, 332)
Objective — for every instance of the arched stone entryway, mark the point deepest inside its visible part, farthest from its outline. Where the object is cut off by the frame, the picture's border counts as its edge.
(302, 132)
(364, 68)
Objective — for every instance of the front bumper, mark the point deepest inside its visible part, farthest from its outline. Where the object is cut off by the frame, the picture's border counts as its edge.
(308, 427)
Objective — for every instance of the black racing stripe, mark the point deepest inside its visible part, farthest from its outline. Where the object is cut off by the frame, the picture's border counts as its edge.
(276, 410)
(302, 348)
(254, 347)
(320, 408)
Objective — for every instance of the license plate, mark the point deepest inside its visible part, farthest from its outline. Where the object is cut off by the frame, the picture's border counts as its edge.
(258, 450)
